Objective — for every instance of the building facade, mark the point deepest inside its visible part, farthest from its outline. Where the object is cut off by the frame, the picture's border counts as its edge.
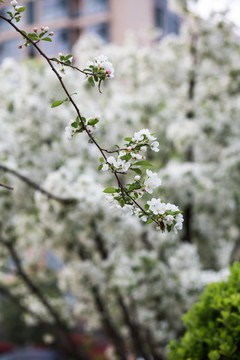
(69, 19)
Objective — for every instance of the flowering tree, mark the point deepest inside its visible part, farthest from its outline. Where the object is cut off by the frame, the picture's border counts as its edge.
(74, 258)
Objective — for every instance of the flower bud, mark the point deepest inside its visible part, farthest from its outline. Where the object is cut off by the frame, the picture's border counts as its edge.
(137, 177)
(35, 29)
(46, 28)
(14, 3)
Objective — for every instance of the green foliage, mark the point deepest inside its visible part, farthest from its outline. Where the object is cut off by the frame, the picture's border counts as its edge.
(213, 324)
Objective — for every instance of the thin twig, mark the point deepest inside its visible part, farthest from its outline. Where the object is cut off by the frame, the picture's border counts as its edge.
(7, 187)
(35, 186)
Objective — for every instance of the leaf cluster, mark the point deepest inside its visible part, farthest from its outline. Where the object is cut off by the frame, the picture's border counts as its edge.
(213, 324)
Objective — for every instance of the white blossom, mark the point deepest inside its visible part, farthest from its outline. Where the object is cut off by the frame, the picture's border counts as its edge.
(152, 181)
(156, 206)
(154, 146)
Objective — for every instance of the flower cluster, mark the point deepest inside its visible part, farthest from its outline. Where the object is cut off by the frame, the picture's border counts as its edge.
(18, 9)
(123, 200)
(131, 155)
(100, 64)
(98, 70)
(37, 35)
(168, 216)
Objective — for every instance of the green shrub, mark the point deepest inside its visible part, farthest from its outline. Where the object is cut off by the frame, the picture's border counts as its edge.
(213, 324)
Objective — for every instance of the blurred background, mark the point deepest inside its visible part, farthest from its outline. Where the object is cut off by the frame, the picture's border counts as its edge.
(109, 19)
(76, 280)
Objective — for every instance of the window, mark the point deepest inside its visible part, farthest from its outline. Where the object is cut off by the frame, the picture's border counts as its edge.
(159, 18)
(95, 6)
(101, 30)
(173, 23)
(54, 9)
(30, 12)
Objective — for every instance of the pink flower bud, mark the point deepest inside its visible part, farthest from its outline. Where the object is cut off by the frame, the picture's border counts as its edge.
(35, 29)
(129, 149)
(42, 27)
(51, 33)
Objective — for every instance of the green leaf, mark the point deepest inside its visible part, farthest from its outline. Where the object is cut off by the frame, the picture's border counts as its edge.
(109, 190)
(101, 159)
(47, 39)
(9, 13)
(93, 122)
(128, 139)
(146, 206)
(136, 170)
(100, 167)
(75, 124)
(69, 56)
(91, 81)
(33, 36)
(21, 9)
(149, 221)
(143, 162)
(57, 103)
(126, 157)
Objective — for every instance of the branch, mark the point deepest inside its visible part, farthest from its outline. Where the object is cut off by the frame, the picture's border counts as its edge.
(84, 126)
(7, 187)
(40, 296)
(32, 184)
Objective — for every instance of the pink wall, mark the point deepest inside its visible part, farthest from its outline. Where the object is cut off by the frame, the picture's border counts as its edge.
(128, 15)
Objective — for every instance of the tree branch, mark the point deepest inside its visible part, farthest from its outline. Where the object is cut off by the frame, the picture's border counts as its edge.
(32, 184)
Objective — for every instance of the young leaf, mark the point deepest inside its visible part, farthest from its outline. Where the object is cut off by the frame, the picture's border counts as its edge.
(136, 170)
(21, 9)
(93, 122)
(143, 162)
(128, 139)
(109, 190)
(69, 56)
(33, 36)
(91, 81)
(56, 103)
(47, 39)
(149, 221)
